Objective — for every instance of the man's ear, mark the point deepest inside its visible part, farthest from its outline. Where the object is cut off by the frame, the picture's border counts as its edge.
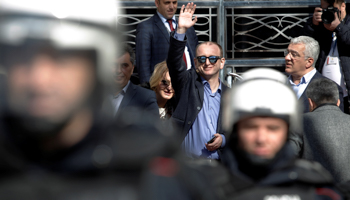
(338, 102)
(156, 2)
(312, 105)
(222, 64)
(196, 64)
(309, 62)
(133, 67)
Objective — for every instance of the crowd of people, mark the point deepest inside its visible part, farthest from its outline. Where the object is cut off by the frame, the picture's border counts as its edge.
(74, 123)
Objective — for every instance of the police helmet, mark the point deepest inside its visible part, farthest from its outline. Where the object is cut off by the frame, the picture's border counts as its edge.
(66, 25)
(263, 92)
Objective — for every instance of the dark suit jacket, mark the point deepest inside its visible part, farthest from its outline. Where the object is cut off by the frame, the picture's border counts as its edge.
(188, 88)
(303, 98)
(138, 104)
(152, 45)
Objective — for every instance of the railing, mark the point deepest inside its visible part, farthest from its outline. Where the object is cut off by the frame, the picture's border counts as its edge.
(252, 33)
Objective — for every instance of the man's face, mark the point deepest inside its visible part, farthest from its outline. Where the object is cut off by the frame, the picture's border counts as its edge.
(296, 64)
(208, 70)
(50, 88)
(340, 6)
(123, 70)
(325, 4)
(262, 136)
(166, 7)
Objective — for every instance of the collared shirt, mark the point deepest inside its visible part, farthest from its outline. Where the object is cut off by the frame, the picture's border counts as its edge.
(117, 99)
(300, 88)
(179, 36)
(166, 24)
(204, 126)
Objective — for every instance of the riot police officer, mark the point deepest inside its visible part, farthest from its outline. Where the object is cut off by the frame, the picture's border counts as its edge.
(260, 112)
(56, 139)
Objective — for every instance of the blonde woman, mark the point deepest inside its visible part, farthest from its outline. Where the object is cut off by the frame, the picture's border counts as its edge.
(160, 83)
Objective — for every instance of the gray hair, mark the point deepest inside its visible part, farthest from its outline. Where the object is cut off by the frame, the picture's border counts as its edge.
(312, 48)
(323, 90)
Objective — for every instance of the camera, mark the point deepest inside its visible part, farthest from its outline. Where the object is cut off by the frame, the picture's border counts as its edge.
(328, 14)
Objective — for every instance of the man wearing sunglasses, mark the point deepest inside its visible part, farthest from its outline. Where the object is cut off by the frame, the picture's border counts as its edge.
(198, 91)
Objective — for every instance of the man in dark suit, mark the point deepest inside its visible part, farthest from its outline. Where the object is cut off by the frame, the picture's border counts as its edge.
(129, 98)
(152, 39)
(198, 94)
(301, 57)
(326, 130)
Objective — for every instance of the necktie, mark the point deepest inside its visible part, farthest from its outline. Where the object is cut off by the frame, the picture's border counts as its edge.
(117, 100)
(170, 21)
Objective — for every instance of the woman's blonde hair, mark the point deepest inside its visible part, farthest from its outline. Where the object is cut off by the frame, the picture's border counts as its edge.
(159, 70)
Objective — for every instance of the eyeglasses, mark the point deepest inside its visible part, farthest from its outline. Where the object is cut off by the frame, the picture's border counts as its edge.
(212, 59)
(293, 54)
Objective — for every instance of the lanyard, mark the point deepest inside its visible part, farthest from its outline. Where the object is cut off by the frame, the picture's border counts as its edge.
(334, 43)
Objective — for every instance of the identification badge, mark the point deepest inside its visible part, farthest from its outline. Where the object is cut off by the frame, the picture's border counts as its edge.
(332, 60)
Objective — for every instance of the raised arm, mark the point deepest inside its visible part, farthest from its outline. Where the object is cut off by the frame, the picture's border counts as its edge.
(177, 69)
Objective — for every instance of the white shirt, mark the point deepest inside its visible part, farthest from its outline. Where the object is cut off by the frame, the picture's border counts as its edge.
(305, 80)
(117, 99)
(333, 70)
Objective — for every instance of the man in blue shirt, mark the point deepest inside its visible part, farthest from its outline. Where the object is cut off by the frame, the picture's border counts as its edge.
(198, 91)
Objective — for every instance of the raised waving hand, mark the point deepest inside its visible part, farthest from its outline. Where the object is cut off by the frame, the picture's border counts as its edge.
(186, 20)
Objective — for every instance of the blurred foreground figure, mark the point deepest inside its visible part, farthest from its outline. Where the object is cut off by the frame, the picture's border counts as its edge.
(295, 136)
(259, 158)
(55, 143)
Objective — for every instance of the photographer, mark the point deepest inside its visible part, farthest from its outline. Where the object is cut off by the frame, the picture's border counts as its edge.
(330, 26)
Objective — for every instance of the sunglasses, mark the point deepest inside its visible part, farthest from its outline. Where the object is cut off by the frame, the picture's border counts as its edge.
(212, 59)
(165, 83)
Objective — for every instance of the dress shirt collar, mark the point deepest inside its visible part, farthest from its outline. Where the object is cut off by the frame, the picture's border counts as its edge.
(123, 91)
(164, 20)
(205, 83)
(305, 79)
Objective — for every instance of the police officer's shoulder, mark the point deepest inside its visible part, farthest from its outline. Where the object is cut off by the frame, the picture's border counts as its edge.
(206, 167)
(213, 167)
(212, 172)
(311, 172)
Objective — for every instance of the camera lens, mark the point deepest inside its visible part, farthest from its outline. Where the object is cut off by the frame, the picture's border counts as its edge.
(328, 15)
